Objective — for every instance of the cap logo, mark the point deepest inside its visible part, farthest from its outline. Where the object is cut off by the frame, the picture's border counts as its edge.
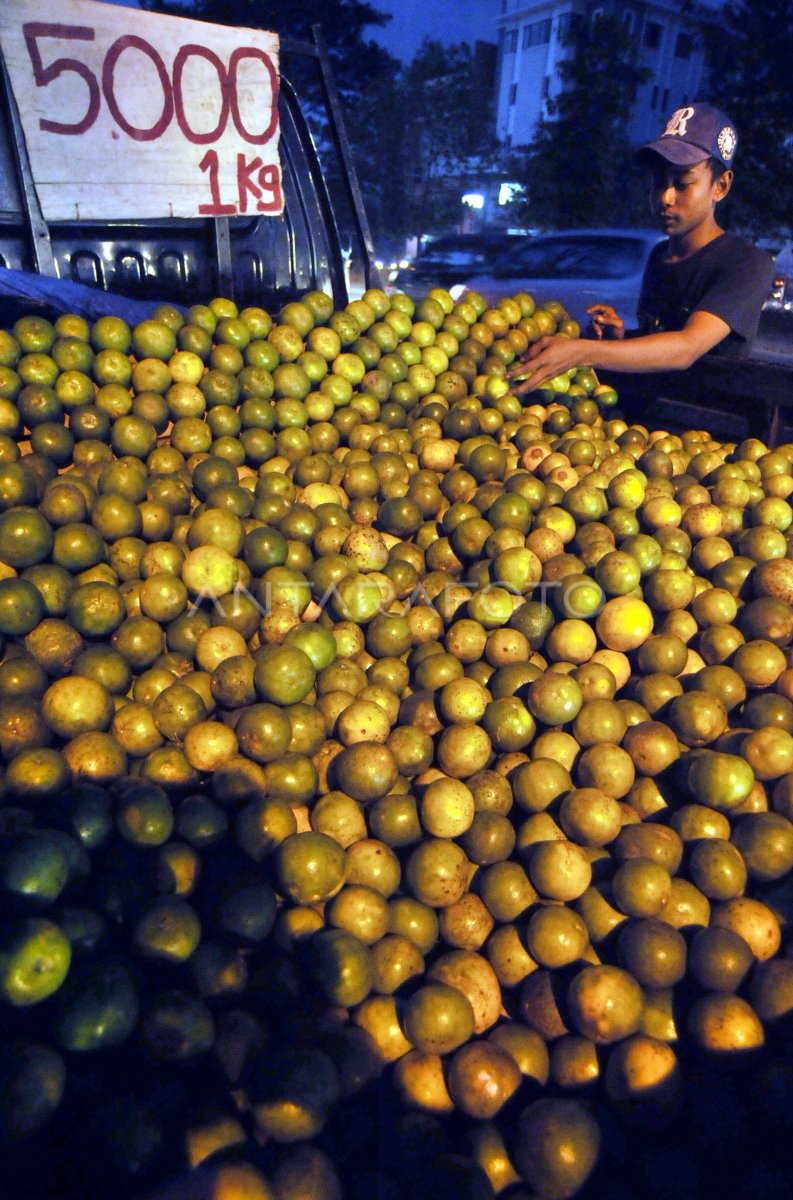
(678, 122)
(726, 142)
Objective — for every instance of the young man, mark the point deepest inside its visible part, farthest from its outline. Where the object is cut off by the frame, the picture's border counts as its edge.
(703, 288)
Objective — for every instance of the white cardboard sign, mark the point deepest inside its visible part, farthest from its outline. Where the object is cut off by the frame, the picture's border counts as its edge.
(132, 115)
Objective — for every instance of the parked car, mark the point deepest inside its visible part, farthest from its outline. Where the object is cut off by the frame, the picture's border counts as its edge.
(578, 267)
(780, 298)
(451, 259)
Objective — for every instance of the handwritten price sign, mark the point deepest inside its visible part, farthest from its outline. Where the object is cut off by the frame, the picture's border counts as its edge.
(129, 114)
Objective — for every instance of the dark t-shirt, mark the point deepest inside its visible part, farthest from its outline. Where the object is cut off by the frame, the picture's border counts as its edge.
(729, 277)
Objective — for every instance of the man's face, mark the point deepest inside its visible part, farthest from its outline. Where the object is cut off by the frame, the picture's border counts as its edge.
(682, 197)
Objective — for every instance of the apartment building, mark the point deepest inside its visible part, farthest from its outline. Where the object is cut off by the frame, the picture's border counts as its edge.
(533, 39)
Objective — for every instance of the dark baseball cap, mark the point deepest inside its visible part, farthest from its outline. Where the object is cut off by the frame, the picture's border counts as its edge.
(693, 133)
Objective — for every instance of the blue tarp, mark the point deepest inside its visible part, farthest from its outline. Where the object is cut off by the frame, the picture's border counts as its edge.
(25, 291)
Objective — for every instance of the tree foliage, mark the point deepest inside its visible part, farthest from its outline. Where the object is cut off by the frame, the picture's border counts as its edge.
(451, 121)
(363, 71)
(410, 128)
(578, 168)
(749, 52)
(375, 128)
(415, 133)
(355, 58)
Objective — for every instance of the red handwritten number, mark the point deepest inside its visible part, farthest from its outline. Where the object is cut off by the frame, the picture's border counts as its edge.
(255, 139)
(210, 163)
(255, 180)
(190, 51)
(128, 42)
(45, 75)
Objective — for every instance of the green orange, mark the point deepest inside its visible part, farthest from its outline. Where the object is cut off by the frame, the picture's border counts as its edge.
(35, 956)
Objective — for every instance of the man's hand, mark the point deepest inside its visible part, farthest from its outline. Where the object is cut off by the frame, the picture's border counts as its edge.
(546, 359)
(668, 350)
(606, 322)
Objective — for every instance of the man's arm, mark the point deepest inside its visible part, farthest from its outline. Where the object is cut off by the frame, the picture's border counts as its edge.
(669, 351)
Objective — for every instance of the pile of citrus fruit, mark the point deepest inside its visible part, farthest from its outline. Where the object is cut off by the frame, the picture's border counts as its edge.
(397, 774)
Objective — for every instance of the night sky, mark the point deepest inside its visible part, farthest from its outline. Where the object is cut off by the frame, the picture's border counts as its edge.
(413, 20)
(449, 21)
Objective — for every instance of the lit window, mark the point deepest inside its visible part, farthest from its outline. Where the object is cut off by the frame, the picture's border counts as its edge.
(507, 192)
